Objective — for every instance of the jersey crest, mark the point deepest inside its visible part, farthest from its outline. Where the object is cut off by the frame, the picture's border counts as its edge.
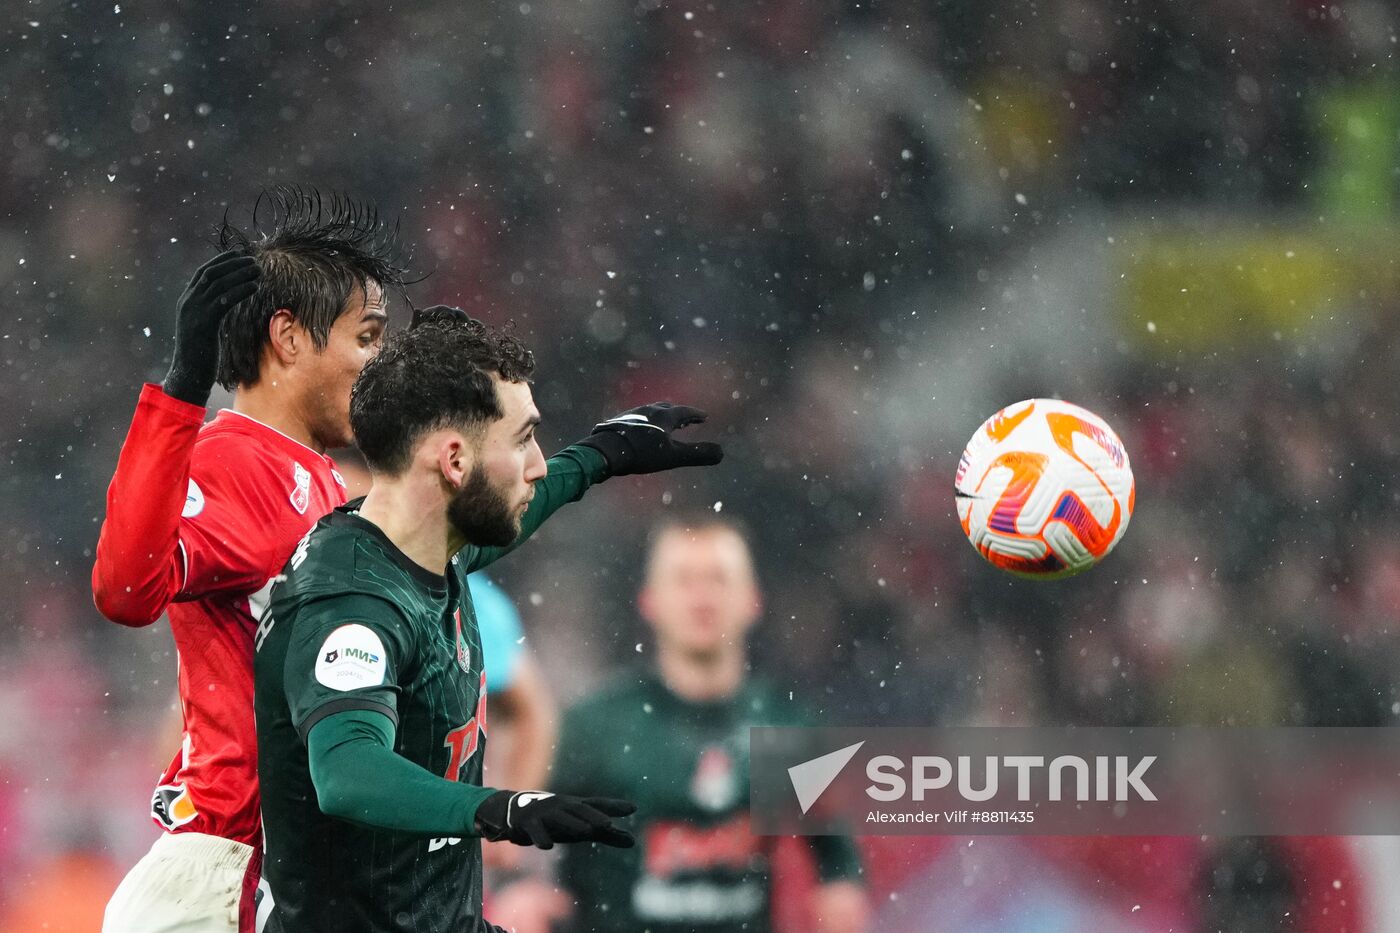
(464, 654)
(301, 492)
(715, 784)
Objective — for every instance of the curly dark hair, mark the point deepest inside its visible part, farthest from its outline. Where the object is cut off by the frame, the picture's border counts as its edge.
(315, 251)
(432, 376)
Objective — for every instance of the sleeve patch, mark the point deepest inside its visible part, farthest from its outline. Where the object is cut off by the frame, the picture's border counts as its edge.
(194, 501)
(351, 657)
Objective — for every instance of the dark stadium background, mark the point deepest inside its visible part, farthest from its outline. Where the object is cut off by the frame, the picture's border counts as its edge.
(851, 231)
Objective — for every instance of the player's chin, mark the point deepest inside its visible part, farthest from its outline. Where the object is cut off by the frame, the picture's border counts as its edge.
(704, 649)
(338, 432)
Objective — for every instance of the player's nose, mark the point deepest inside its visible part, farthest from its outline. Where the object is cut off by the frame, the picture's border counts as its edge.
(535, 467)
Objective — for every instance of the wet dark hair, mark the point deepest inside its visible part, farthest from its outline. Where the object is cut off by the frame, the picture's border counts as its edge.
(432, 376)
(315, 251)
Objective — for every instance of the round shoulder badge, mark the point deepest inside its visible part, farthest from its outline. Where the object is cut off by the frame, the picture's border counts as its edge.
(351, 657)
(194, 501)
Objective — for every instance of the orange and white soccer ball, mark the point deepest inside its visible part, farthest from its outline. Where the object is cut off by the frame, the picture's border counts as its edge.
(1044, 489)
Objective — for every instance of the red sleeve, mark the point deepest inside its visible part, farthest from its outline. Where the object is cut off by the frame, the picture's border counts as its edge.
(139, 566)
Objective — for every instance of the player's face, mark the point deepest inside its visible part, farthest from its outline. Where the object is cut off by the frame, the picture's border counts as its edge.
(700, 595)
(492, 500)
(354, 340)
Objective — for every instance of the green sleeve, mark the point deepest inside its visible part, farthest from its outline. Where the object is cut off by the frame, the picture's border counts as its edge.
(837, 858)
(346, 651)
(571, 472)
(358, 777)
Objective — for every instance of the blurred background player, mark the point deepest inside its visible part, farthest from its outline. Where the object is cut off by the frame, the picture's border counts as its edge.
(200, 518)
(676, 741)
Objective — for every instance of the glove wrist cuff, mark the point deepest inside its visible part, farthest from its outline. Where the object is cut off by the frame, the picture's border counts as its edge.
(492, 815)
(617, 452)
(180, 384)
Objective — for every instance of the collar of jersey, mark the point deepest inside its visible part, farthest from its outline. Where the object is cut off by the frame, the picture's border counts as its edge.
(239, 418)
(349, 515)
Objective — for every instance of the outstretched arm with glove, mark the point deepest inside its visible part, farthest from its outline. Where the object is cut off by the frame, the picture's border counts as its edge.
(359, 777)
(642, 440)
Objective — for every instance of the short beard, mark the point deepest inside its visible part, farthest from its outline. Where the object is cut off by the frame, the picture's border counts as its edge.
(481, 514)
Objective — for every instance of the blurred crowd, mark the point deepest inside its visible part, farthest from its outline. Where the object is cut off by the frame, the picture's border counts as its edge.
(850, 231)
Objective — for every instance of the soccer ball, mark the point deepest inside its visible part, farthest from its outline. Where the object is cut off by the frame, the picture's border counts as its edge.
(1044, 489)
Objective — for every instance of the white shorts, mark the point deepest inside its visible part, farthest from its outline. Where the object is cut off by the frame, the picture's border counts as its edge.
(187, 883)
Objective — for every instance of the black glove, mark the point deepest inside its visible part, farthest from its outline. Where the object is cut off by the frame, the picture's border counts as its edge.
(535, 818)
(217, 286)
(640, 441)
(438, 314)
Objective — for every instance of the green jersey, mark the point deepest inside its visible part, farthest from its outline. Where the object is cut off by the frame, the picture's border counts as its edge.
(356, 625)
(697, 865)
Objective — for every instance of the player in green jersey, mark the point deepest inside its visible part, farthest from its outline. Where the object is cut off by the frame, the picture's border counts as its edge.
(370, 694)
(676, 740)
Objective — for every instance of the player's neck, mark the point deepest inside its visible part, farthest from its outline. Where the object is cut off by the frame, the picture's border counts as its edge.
(702, 679)
(413, 518)
(265, 403)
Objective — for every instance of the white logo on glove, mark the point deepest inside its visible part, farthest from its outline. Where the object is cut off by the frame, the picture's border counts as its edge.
(640, 420)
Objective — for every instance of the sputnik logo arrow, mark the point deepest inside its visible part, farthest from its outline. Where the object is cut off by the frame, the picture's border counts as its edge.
(811, 778)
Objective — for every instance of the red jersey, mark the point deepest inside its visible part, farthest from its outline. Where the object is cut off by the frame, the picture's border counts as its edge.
(200, 519)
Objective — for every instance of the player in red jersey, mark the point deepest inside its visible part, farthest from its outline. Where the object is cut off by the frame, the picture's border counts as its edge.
(201, 517)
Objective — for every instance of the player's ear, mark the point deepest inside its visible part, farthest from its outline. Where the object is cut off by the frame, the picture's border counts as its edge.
(283, 336)
(454, 458)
